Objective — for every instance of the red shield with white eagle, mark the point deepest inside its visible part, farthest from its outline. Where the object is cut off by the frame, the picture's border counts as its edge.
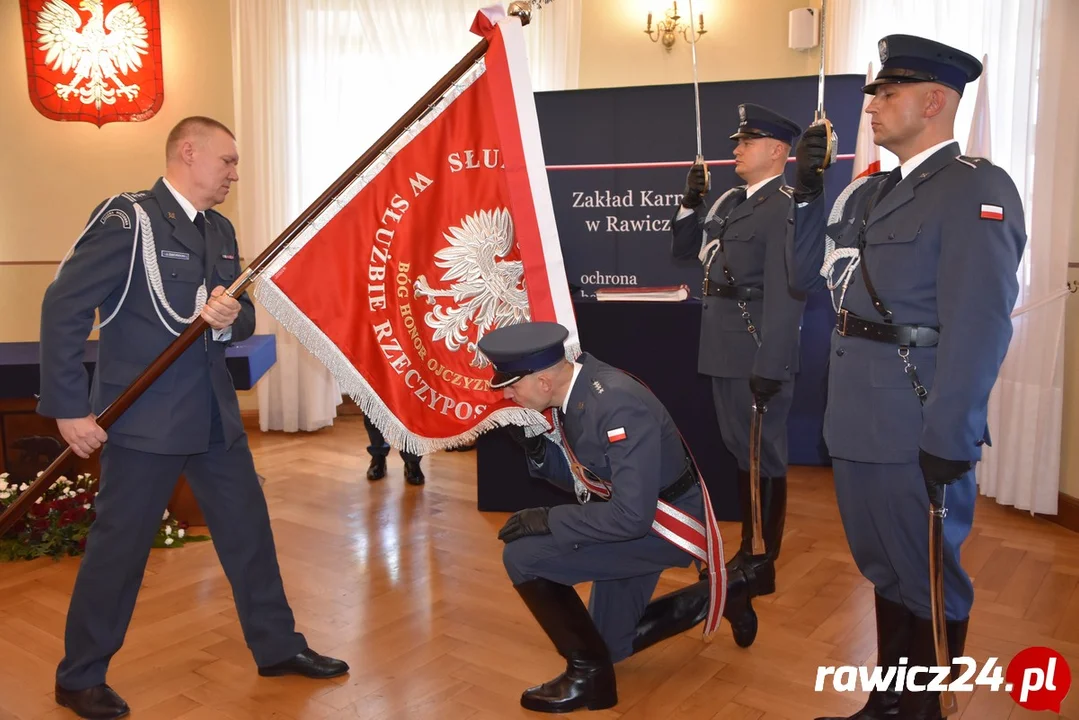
(95, 61)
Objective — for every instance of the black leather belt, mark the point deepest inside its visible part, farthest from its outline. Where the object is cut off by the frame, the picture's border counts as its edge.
(850, 325)
(733, 292)
(680, 486)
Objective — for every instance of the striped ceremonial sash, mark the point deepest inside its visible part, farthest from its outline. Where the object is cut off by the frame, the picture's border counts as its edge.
(684, 531)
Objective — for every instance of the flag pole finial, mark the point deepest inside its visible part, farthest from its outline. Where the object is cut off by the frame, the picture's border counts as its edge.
(522, 10)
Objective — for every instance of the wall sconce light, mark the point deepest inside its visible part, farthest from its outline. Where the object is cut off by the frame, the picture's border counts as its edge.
(667, 29)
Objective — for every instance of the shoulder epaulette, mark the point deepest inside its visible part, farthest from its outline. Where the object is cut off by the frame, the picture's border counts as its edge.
(787, 190)
(971, 161)
(136, 196)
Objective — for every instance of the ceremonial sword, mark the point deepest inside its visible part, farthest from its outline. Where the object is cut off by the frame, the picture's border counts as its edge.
(755, 428)
(937, 512)
(697, 100)
(819, 117)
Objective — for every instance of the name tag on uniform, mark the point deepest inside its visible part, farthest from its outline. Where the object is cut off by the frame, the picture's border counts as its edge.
(173, 255)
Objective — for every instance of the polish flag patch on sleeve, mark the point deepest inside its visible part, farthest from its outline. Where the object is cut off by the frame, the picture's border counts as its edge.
(992, 212)
(616, 435)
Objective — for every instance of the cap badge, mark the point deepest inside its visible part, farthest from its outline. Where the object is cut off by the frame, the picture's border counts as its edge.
(882, 46)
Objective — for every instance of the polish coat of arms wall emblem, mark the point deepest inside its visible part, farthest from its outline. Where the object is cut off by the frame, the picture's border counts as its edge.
(96, 61)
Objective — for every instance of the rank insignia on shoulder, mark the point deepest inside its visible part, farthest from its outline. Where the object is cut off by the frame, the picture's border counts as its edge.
(787, 190)
(597, 386)
(616, 435)
(992, 212)
(136, 196)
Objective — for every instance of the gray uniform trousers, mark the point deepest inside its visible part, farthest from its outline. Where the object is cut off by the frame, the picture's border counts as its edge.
(885, 517)
(135, 489)
(623, 574)
(734, 410)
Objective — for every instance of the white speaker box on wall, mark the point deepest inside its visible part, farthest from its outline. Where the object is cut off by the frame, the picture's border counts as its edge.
(804, 29)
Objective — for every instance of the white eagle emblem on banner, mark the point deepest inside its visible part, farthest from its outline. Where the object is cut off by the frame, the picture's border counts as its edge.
(486, 291)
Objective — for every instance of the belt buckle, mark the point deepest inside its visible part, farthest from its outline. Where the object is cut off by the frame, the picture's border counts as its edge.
(843, 314)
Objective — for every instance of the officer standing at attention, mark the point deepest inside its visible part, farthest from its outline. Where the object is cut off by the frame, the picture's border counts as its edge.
(616, 437)
(750, 322)
(922, 265)
(187, 421)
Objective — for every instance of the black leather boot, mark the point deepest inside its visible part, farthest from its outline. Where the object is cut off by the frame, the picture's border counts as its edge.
(895, 624)
(588, 681)
(377, 469)
(761, 571)
(96, 703)
(413, 473)
(672, 614)
(925, 705)
(739, 608)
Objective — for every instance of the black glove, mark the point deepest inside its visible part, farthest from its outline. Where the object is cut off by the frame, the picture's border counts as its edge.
(534, 447)
(939, 473)
(811, 153)
(763, 389)
(696, 186)
(531, 521)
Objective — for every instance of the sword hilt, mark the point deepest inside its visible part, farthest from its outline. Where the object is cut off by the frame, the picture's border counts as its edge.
(832, 139)
(707, 175)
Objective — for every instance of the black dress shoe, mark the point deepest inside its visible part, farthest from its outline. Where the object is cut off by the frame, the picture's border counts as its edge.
(309, 664)
(377, 469)
(99, 702)
(413, 473)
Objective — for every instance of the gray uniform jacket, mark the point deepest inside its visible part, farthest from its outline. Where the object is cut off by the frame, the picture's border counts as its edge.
(754, 234)
(173, 415)
(605, 404)
(938, 256)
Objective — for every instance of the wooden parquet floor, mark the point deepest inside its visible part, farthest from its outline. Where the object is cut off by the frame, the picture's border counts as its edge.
(407, 585)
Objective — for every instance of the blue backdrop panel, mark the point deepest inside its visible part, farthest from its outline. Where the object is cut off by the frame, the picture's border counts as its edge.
(617, 160)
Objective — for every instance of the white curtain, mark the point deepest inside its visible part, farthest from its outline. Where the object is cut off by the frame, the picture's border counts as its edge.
(1028, 102)
(298, 393)
(1023, 467)
(317, 82)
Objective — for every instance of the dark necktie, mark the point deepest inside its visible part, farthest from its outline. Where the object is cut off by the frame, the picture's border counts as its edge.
(200, 223)
(890, 182)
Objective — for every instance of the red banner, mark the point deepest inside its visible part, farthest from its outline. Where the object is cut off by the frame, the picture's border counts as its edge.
(95, 61)
(449, 235)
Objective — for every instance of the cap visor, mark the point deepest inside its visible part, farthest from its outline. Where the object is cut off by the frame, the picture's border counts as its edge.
(503, 380)
(750, 134)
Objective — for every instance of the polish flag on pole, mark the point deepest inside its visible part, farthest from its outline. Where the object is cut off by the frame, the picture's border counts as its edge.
(866, 152)
(979, 144)
(445, 235)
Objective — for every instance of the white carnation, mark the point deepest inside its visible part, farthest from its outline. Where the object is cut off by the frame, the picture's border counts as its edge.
(168, 541)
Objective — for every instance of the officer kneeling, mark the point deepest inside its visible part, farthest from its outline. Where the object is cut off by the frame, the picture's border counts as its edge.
(618, 443)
